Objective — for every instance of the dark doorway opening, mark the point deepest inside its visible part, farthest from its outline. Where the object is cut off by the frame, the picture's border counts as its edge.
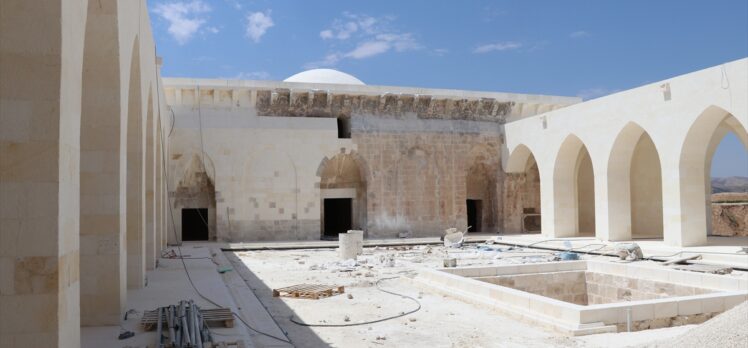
(344, 128)
(473, 215)
(194, 224)
(338, 216)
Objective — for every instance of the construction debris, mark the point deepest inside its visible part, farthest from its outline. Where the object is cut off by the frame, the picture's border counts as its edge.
(183, 325)
(713, 269)
(628, 251)
(682, 259)
(309, 291)
(453, 238)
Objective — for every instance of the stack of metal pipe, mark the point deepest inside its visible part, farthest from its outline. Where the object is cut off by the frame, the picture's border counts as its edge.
(182, 326)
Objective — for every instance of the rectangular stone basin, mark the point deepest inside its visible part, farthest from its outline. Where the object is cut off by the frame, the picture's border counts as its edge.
(593, 296)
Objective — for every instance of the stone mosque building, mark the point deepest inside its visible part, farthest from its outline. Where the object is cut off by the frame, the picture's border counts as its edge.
(103, 162)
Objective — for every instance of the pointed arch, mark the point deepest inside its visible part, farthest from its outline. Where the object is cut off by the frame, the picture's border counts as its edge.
(481, 188)
(102, 214)
(342, 183)
(694, 164)
(573, 190)
(135, 174)
(634, 177)
(522, 208)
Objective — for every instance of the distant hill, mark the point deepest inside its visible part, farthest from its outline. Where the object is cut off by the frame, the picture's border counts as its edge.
(730, 184)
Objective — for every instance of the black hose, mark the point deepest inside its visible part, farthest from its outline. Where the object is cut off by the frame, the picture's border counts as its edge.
(291, 318)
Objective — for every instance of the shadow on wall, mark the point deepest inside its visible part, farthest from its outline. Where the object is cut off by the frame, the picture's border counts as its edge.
(301, 336)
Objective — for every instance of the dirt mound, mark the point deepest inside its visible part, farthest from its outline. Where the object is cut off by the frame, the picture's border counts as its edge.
(729, 329)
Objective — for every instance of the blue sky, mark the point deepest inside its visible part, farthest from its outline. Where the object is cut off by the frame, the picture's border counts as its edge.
(578, 48)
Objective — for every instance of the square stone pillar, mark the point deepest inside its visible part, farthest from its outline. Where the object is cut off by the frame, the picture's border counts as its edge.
(41, 48)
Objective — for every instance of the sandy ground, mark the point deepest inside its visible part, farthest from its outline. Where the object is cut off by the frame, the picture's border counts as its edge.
(441, 321)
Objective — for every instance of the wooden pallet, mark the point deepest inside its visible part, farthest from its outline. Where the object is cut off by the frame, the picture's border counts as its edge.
(218, 316)
(312, 291)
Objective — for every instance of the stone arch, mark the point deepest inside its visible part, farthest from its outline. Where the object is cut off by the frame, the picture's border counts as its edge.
(573, 190)
(481, 184)
(103, 171)
(343, 177)
(699, 145)
(634, 177)
(522, 192)
(135, 175)
(149, 183)
(196, 190)
(518, 159)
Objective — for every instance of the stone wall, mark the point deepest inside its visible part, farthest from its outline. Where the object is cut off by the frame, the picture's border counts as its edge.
(588, 288)
(730, 219)
(563, 286)
(418, 181)
(608, 288)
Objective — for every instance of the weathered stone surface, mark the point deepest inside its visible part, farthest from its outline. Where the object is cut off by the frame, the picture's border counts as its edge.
(730, 219)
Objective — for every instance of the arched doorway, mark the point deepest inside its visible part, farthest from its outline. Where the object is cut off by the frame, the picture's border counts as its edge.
(646, 190)
(195, 203)
(481, 198)
(522, 193)
(729, 187)
(695, 171)
(342, 194)
(634, 186)
(573, 190)
(697, 153)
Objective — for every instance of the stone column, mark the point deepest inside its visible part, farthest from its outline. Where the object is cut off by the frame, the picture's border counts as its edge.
(41, 49)
(102, 216)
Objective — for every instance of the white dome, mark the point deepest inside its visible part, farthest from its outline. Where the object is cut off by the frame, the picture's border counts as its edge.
(324, 76)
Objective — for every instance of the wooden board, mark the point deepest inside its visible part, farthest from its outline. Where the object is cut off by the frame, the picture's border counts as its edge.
(704, 268)
(220, 316)
(310, 291)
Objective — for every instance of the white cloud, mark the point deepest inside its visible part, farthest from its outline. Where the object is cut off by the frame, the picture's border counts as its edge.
(212, 30)
(258, 24)
(369, 49)
(350, 24)
(439, 52)
(326, 34)
(363, 36)
(499, 46)
(185, 18)
(596, 92)
(579, 34)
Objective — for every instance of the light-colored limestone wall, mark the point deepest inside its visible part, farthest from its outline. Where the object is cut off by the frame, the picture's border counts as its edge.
(646, 190)
(586, 194)
(679, 114)
(564, 286)
(609, 288)
(264, 169)
(102, 267)
(521, 201)
(267, 146)
(40, 107)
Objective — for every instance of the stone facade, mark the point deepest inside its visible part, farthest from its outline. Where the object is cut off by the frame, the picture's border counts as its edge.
(409, 160)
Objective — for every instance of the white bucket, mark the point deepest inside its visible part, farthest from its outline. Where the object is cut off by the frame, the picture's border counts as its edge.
(347, 246)
(358, 236)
